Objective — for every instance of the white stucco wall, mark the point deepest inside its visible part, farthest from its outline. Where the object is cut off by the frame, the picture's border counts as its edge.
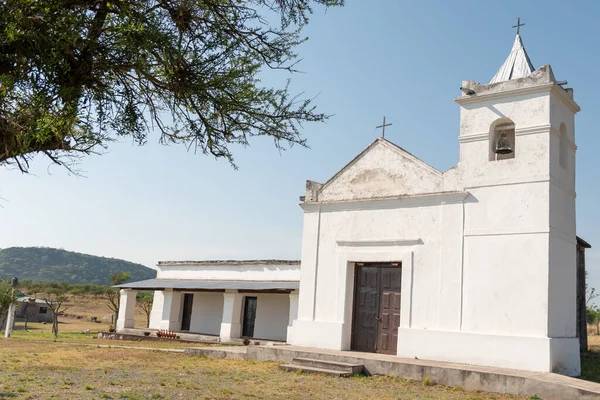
(506, 285)
(562, 288)
(272, 313)
(225, 271)
(390, 230)
(157, 309)
(166, 310)
(488, 253)
(507, 209)
(207, 313)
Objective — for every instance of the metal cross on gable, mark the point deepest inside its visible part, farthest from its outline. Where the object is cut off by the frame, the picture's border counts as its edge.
(382, 126)
(518, 25)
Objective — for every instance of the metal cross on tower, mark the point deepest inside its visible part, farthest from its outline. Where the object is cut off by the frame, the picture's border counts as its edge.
(383, 127)
(518, 25)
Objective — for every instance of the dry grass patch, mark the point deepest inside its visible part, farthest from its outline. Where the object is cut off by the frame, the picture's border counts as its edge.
(594, 342)
(34, 370)
(86, 307)
(84, 332)
(590, 361)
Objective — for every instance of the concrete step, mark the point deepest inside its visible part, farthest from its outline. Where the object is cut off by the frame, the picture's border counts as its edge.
(313, 370)
(330, 365)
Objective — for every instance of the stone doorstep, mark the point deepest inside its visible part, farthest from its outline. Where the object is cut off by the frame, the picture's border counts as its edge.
(314, 370)
(353, 369)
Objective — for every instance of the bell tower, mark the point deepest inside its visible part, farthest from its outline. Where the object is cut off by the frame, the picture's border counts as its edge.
(517, 162)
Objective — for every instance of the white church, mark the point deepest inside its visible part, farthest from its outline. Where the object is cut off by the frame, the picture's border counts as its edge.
(476, 264)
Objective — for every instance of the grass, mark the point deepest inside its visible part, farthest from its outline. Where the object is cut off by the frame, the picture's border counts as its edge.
(88, 306)
(33, 365)
(590, 361)
(82, 330)
(32, 369)
(74, 331)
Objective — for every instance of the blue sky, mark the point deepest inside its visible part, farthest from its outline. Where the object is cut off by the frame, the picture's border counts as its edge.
(405, 60)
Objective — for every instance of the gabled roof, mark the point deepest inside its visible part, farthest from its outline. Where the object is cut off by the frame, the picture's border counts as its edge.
(372, 145)
(517, 65)
(382, 169)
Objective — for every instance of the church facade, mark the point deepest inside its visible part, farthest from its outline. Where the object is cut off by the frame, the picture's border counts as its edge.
(476, 264)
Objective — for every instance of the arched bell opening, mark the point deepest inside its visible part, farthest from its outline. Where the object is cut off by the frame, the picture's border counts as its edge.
(502, 140)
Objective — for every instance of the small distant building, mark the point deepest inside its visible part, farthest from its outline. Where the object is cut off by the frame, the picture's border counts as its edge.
(230, 299)
(32, 310)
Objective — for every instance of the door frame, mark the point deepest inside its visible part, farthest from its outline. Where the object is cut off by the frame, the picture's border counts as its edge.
(380, 266)
(357, 252)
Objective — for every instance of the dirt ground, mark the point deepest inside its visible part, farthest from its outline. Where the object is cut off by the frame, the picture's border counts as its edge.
(88, 306)
(590, 361)
(76, 365)
(42, 369)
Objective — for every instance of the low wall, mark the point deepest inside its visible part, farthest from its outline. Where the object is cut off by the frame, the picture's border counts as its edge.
(183, 337)
(545, 385)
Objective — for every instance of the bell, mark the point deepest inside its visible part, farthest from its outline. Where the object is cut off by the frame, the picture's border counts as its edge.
(503, 146)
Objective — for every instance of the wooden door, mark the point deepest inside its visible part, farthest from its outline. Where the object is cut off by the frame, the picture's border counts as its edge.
(389, 309)
(249, 317)
(376, 308)
(188, 302)
(366, 309)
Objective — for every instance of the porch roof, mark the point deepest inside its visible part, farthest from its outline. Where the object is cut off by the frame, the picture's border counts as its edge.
(192, 284)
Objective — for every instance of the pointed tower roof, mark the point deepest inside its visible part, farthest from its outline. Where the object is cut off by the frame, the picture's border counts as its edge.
(517, 65)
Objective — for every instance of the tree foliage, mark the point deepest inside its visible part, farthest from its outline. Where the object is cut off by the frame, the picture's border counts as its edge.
(57, 302)
(119, 278)
(592, 317)
(57, 265)
(7, 297)
(590, 292)
(144, 302)
(76, 74)
(32, 288)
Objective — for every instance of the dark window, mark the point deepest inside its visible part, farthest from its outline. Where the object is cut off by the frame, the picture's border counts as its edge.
(188, 302)
(249, 317)
(43, 310)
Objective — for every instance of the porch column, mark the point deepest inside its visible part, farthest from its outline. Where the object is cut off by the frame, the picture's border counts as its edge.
(231, 324)
(157, 307)
(293, 314)
(126, 309)
(171, 310)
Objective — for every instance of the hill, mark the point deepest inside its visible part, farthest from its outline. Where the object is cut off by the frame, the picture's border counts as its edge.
(56, 265)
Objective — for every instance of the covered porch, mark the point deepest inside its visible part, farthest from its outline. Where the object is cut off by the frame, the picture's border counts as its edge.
(224, 310)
